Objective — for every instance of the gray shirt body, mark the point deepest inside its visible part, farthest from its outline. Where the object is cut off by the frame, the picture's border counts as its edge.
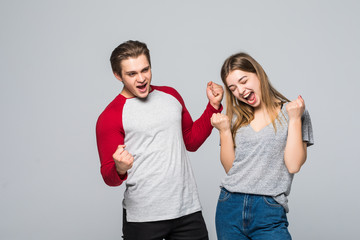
(259, 166)
(160, 184)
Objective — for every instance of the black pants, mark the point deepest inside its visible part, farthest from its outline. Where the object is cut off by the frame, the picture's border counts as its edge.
(189, 227)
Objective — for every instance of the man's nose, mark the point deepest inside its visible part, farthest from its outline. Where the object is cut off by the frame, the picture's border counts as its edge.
(141, 77)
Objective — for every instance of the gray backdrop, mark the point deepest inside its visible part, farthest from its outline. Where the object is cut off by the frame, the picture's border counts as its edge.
(56, 79)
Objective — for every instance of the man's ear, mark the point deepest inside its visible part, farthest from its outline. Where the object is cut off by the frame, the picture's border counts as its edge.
(118, 76)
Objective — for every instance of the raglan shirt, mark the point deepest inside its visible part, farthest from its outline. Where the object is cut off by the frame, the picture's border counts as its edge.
(157, 131)
(259, 166)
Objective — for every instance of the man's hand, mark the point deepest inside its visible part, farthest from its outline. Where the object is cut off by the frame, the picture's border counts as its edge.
(215, 94)
(123, 160)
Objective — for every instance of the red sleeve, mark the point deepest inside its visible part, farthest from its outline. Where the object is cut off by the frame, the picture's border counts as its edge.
(194, 133)
(110, 134)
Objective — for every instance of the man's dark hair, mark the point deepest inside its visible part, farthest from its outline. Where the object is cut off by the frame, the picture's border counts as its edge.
(128, 49)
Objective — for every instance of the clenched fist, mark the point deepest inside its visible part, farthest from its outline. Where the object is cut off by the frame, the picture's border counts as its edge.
(215, 94)
(123, 159)
(295, 108)
(220, 121)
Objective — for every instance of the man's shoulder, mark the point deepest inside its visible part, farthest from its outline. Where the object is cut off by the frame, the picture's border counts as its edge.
(166, 89)
(116, 103)
(114, 107)
(169, 90)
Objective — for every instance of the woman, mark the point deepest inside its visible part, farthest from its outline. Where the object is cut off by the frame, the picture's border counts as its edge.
(261, 149)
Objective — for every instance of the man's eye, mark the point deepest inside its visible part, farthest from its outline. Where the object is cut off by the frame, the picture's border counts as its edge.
(131, 74)
(146, 70)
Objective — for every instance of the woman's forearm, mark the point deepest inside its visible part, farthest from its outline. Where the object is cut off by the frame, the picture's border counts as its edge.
(295, 150)
(227, 151)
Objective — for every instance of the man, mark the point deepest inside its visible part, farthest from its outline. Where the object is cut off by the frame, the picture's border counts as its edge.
(142, 137)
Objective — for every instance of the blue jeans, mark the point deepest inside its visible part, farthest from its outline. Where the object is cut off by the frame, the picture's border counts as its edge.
(245, 216)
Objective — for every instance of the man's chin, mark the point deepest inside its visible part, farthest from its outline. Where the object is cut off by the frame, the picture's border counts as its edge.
(143, 95)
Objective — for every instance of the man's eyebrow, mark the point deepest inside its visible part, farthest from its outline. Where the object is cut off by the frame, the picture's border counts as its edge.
(145, 68)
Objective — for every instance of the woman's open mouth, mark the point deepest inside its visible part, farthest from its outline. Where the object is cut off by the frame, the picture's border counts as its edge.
(250, 98)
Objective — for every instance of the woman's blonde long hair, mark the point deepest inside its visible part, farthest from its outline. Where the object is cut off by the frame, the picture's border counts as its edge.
(269, 95)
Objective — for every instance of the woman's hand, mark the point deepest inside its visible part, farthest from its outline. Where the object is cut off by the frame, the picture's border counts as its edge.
(220, 122)
(295, 108)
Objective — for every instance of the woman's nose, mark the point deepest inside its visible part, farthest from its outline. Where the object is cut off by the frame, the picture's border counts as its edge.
(241, 90)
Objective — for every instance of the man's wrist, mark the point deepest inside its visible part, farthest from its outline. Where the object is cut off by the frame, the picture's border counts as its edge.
(120, 171)
(215, 105)
(122, 176)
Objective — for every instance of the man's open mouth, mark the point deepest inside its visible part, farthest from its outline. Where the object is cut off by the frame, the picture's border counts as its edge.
(142, 87)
